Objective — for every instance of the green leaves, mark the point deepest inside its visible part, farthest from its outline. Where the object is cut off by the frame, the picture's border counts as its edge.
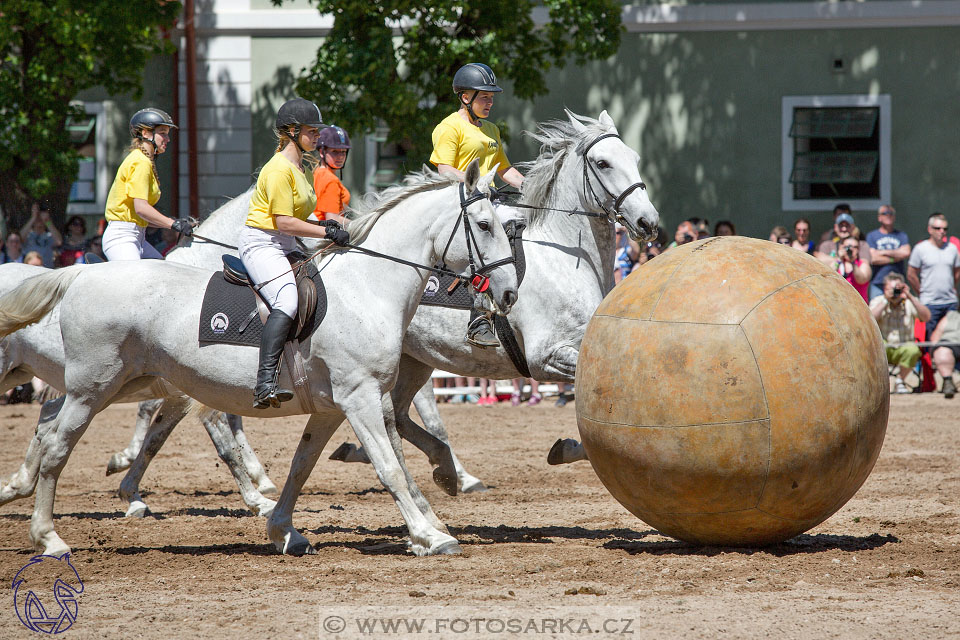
(392, 61)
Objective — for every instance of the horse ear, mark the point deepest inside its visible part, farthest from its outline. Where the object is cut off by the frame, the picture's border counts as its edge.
(472, 175)
(578, 126)
(484, 185)
(607, 122)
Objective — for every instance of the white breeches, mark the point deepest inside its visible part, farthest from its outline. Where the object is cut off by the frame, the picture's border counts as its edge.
(127, 241)
(264, 255)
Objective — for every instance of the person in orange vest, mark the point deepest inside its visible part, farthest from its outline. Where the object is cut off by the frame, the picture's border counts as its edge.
(332, 196)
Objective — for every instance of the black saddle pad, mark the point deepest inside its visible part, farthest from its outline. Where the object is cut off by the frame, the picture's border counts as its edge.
(227, 308)
(436, 293)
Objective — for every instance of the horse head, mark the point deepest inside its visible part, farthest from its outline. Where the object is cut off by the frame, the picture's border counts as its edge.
(611, 179)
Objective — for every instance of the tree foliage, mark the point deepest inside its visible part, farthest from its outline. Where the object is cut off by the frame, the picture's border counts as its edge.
(50, 50)
(392, 61)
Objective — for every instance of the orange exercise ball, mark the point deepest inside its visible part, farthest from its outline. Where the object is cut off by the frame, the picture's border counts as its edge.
(732, 391)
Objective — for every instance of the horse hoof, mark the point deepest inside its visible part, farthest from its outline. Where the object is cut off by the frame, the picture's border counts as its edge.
(342, 452)
(448, 549)
(299, 549)
(448, 483)
(136, 509)
(476, 486)
(118, 462)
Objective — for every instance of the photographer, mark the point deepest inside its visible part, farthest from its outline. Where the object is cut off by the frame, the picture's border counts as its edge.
(849, 265)
(40, 235)
(896, 311)
(686, 232)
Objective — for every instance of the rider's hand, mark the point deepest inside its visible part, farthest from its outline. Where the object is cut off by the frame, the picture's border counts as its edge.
(183, 226)
(338, 236)
(330, 224)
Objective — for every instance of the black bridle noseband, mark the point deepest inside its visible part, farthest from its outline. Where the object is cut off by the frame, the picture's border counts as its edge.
(612, 215)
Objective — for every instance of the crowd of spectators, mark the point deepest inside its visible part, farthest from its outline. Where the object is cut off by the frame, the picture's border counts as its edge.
(40, 239)
(902, 284)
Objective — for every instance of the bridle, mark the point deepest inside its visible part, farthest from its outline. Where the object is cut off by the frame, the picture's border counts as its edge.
(478, 276)
(613, 215)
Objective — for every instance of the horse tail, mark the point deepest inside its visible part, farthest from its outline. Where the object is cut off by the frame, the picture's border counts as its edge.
(34, 298)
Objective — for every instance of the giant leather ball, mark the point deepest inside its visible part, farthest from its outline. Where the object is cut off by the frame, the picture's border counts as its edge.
(732, 391)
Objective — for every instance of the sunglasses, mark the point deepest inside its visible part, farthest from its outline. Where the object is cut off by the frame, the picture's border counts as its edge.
(939, 228)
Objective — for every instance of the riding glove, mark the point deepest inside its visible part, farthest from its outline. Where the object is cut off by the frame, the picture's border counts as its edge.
(338, 236)
(183, 225)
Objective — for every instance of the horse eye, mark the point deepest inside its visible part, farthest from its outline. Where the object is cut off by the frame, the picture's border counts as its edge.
(602, 164)
(484, 225)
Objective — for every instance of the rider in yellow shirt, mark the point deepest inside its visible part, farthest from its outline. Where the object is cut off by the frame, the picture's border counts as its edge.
(279, 208)
(466, 135)
(135, 191)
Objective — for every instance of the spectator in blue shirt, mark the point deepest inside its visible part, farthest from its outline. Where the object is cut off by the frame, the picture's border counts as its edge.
(889, 249)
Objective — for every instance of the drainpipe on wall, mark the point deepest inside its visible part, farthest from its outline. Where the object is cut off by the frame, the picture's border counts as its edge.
(190, 36)
(174, 140)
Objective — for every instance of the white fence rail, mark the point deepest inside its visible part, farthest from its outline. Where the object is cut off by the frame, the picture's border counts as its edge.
(502, 386)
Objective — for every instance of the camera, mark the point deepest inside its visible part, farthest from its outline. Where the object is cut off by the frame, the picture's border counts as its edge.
(898, 290)
(687, 237)
(849, 251)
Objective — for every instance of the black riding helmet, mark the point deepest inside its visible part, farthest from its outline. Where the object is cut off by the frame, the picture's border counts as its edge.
(299, 112)
(149, 118)
(476, 77)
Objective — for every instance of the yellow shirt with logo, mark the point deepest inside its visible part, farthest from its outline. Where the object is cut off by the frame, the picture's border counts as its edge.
(135, 179)
(456, 142)
(282, 190)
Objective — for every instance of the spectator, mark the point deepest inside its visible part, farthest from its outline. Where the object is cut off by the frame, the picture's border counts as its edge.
(650, 251)
(535, 397)
(12, 249)
(488, 392)
(34, 258)
(74, 244)
(626, 254)
(168, 241)
(896, 311)
(95, 246)
(840, 209)
(889, 249)
(780, 235)
(702, 226)
(856, 271)
(686, 232)
(945, 358)
(40, 235)
(801, 237)
(724, 228)
(933, 270)
(565, 394)
(843, 228)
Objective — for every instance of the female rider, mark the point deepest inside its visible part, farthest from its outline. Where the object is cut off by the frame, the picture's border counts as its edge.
(466, 135)
(278, 212)
(332, 196)
(136, 189)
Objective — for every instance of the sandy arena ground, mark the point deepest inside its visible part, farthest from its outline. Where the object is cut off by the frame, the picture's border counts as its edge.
(887, 565)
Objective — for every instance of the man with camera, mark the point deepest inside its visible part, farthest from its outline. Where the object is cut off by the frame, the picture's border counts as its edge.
(896, 311)
(686, 232)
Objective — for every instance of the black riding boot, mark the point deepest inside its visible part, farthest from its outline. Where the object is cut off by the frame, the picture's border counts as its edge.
(272, 339)
(480, 331)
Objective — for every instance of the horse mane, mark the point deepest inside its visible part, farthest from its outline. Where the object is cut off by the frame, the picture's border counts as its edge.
(557, 139)
(361, 217)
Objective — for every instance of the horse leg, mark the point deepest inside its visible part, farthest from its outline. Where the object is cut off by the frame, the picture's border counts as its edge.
(57, 443)
(368, 424)
(426, 405)
(22, 483)
(174, 409)
(250, 461)
(145, 412)
(230, 451)
(280, 530)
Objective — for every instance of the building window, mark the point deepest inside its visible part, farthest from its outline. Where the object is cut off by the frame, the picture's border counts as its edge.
(835, 148)
(87, 133)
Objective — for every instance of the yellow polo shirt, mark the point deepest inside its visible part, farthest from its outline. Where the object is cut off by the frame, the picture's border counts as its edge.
(135, 179)
(282, 190)
(456, 142)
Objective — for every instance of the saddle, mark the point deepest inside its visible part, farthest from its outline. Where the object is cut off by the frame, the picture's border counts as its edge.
(235, 273)
(231, 303)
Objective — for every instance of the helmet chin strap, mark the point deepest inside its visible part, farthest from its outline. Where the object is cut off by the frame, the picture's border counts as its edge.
(150, 140)
(469, 105)
(295, 138)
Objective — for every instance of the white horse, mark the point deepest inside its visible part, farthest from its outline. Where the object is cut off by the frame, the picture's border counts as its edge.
(351, 362)
(37, 350)
(569, 269)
